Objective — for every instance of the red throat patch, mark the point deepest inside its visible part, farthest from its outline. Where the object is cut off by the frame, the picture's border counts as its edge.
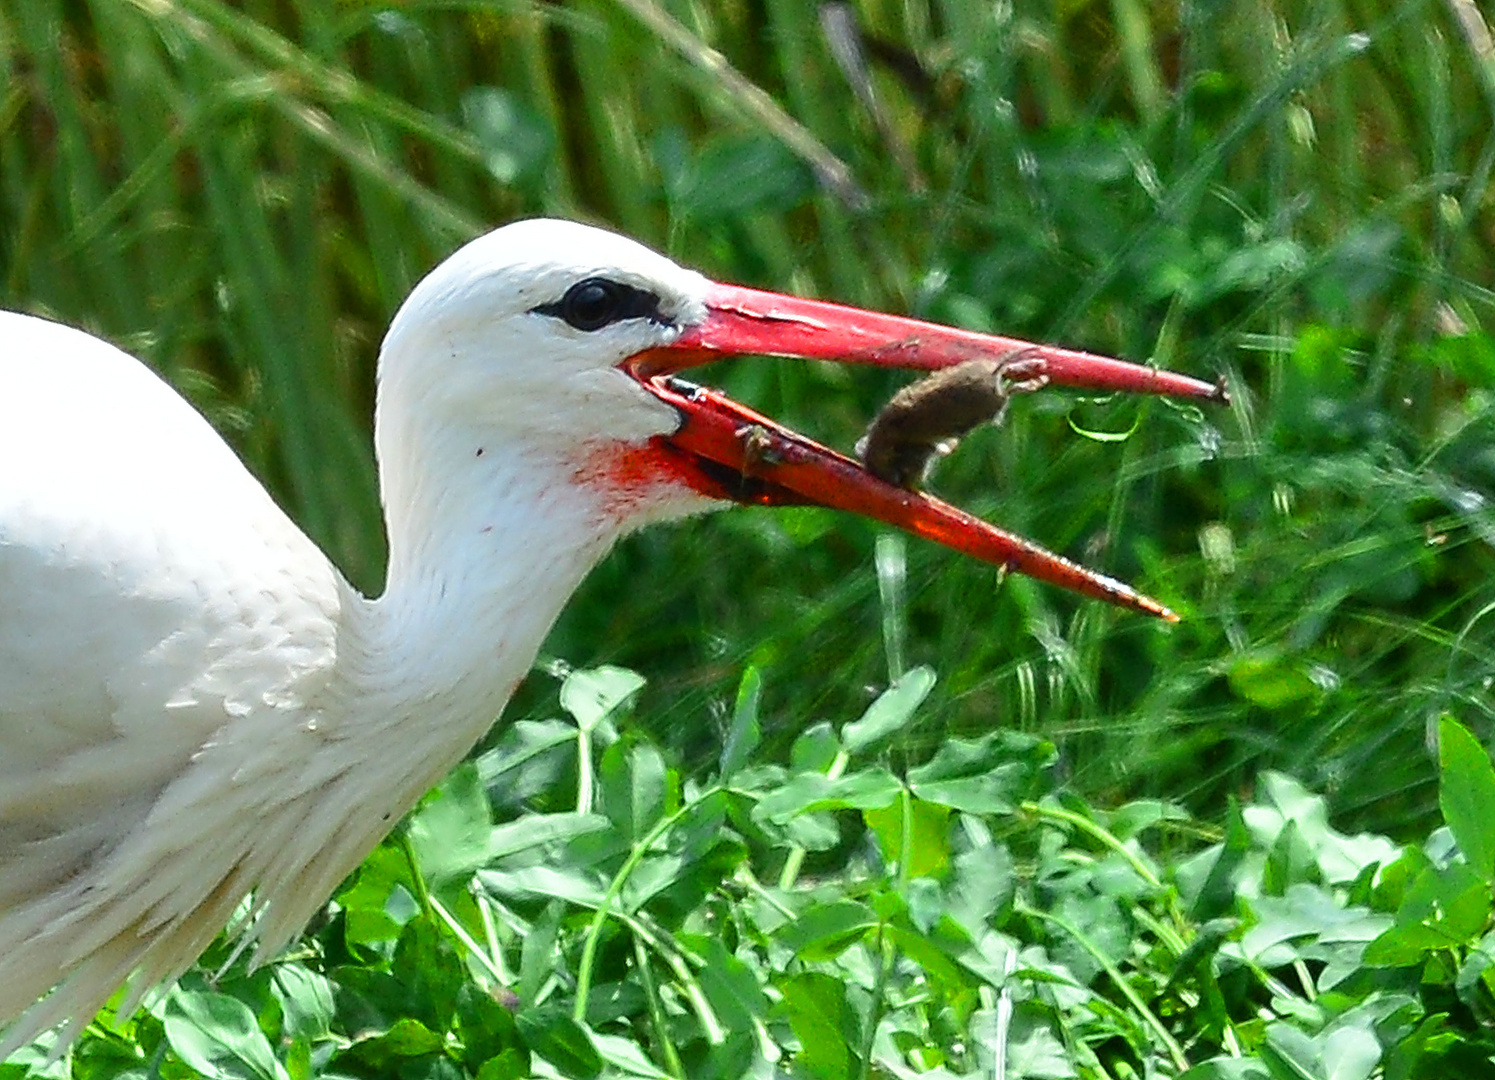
(629, 477)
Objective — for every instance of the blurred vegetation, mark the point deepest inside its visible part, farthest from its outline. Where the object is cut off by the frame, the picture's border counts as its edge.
(1295, 195)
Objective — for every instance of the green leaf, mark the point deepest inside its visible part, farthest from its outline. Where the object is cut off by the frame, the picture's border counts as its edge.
(552, 1034)
(1404, 946)
(926, 903)
(928, 835)
(218, 1036)
(978, 776)
(812, 831)
(1466, 795)
(1397, 879)
(369, 1000)
(543, 882)
(816, 1008)
(1349, 1051)
(732, 1058)
(1339, 858)
(537, 953)
(1216, 893)
(1034, 1051)
(427, 968)
(734, 992)
(933, 955)
(306, 1001)
(1288, 862)
(636, 787)
(1418, 1053)
(539, 830)
(1306, 913)
(865, 790)
(592, 695)
(1477, 973)
(1229, 1068)
(1105, 931)
(890, 712)
(1137, 816)
(530, 757)
(1206, 944)
(984, 882)
(825, 931)
(683, 882)
(814, 749)
(1444, 907)
(490, 1038)
(1295, 1049)
(389, 1050)
(650, 877)
(627, 1057)
(451, 831)
(745, 734)
(371, 914)
(512, 1064)
(1271, 680)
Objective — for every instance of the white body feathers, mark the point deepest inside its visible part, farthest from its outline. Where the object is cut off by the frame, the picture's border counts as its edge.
(194, 705)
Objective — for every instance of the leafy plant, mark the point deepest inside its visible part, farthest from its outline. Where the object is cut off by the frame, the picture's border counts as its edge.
(837, 918)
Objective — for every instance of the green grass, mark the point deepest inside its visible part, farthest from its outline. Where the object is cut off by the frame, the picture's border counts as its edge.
(1296, 196)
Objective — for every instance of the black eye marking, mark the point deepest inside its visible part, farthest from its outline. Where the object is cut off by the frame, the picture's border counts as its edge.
(596, 302)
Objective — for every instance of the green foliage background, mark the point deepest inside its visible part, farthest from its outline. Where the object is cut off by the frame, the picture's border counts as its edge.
(1295, 195)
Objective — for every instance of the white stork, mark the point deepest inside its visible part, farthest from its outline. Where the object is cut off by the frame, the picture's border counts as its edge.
(195, 706)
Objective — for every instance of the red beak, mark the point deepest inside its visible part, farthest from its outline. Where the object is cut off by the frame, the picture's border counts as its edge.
(727, 451)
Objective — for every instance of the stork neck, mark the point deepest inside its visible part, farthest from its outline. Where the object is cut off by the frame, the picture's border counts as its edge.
(486, 543)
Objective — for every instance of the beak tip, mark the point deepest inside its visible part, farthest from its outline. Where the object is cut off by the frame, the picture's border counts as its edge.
(1149, 606)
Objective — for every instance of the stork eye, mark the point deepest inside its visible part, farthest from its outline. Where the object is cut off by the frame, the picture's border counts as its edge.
(591, 304)
(596, 302)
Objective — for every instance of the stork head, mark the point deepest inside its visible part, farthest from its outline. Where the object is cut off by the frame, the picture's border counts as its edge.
(524, 330)
(556, 345)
